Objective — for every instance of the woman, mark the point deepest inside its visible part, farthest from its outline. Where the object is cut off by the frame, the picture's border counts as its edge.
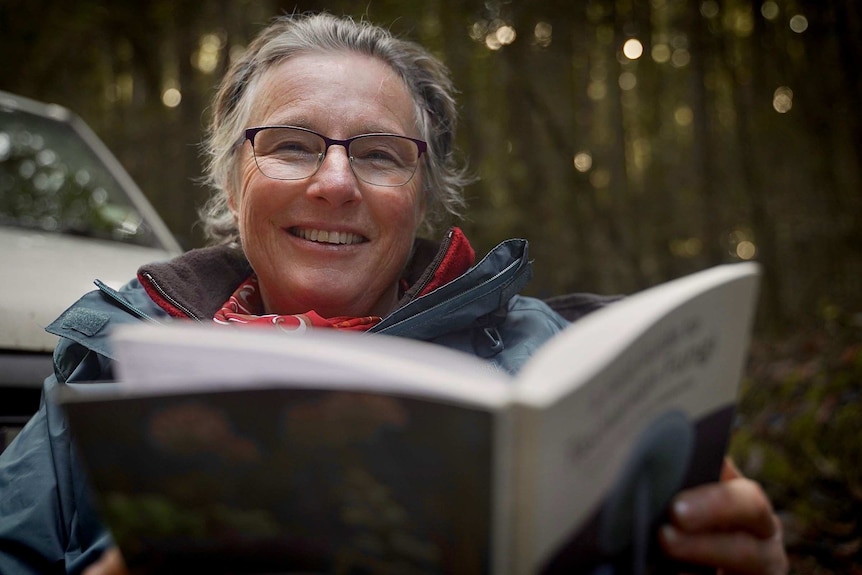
(331, 145)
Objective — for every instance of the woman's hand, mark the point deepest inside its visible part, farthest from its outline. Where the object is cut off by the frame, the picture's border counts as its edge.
(111, 563)
(729, 525)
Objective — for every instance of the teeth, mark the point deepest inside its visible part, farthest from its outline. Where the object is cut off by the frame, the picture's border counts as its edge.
(327, 237)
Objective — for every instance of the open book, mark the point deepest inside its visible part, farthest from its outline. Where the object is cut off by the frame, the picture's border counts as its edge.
(235, 450)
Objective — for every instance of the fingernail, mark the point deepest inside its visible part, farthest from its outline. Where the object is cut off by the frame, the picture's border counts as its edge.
(682, 508)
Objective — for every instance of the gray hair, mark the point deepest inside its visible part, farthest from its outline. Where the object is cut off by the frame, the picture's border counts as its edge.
(426, 78)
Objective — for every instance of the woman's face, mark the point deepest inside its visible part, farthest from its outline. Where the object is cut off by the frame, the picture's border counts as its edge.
(338, 95)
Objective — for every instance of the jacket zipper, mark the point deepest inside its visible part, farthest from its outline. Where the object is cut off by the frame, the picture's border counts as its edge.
(114, 295)
(171, 300)
(438, 259)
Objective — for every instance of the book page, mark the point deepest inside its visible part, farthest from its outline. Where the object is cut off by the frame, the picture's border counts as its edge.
(576, 355)
(592, 395)
(159, 358)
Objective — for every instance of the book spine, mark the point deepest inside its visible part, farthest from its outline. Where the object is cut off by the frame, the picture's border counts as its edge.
(503, 518)
(524, 466)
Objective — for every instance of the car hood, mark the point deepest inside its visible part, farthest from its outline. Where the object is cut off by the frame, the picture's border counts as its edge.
(45, 273)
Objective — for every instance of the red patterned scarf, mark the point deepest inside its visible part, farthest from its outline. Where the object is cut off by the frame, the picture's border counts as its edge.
(245, 306)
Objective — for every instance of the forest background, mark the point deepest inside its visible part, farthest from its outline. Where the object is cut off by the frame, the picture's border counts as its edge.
(632, 141)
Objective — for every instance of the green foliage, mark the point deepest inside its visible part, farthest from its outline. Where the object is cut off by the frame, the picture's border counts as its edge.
(800, 418)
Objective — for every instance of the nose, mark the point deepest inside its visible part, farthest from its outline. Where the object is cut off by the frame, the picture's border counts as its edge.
(334, 182)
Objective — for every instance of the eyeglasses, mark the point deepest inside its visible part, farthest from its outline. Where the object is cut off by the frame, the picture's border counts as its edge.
(290, 153)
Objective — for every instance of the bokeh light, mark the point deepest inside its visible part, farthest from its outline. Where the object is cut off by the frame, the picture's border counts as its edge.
(627, 81)
(660, 53)
(583, 161)
(746, 250)
(494, 34)
(680, 58)
(505, 35)
(741, 21)
(543, 33)
(782, 99)
(683, 116)
(799, 23)
(769, 10)
(709, 9)
(633, 49)
(172, 97)
(597, 90)
(206, 57)
(742, 245)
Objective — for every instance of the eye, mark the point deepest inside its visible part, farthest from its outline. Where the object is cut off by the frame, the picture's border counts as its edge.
(292, 147)
(382, 152)
(379, 155)
(287, 144)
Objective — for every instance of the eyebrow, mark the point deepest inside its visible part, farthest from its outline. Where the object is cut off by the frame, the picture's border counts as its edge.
(364, 129)
(303, 121)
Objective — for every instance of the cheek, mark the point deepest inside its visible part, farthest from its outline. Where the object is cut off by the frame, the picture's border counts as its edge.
(419, 199)
(241, 179)
(418, 210)
(403, 215)
(256, 206)
(251, 225)
(406, 222)
(414, 202)
(257, 197)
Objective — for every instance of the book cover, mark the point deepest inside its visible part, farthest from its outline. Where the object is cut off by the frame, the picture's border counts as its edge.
(328, 452)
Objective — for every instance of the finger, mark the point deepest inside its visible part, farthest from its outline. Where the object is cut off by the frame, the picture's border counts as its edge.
(729, 470)
(738, 504)
(736, 553)
(111, 563)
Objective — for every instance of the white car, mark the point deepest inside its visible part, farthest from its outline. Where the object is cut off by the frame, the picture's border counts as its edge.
(69, 214)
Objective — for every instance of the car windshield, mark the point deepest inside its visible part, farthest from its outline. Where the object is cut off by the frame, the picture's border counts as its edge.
(51, 180)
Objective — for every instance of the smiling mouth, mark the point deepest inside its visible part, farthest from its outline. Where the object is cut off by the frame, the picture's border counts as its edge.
(328, 237)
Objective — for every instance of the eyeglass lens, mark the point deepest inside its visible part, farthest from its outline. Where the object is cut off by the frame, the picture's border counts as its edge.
(285, 153)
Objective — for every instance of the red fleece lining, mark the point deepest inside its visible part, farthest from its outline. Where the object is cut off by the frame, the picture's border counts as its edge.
(458, 259)
(160, 300)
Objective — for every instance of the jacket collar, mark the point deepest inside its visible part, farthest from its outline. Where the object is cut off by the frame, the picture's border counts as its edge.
(477, 298)
(198, 283)
(444, 298)
(446, 292)
(195, 284)
(434, 264)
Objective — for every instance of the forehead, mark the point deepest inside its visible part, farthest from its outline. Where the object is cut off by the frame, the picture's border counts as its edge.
(341, 91)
